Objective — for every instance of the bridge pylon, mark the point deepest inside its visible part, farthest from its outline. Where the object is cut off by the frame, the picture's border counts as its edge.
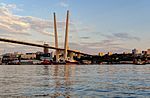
(66, 37)
(56, 38)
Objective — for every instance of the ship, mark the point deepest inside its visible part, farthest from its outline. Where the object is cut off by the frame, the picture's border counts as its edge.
(46, 62)
(140, 62)
(70, 62)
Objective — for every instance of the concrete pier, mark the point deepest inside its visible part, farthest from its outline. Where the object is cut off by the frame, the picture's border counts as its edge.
(79, 56)
(70, 54)
(46, 49)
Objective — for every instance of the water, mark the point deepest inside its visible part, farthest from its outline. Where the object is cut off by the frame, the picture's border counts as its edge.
(74, 81)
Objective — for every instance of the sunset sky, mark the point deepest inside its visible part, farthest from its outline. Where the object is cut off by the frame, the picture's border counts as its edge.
(95, 25)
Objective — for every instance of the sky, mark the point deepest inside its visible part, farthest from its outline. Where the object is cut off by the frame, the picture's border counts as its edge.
(94, 25)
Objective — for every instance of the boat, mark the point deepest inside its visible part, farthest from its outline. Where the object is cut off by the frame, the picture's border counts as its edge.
(46, 62)
(66, 62)
(59, 63)
(140, 62)
(70, 62)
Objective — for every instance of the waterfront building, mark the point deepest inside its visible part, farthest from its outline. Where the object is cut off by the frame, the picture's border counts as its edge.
(135, 51)
(144, 52)
(126, 53)
(28, 56)
(8, 57)
(38, 55)
(101, 54)
(1, 59)
(110, 53)
(43, 56)
(47, 56)
(148, 51)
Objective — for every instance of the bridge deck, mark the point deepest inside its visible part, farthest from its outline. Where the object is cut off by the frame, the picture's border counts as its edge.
(38, 45)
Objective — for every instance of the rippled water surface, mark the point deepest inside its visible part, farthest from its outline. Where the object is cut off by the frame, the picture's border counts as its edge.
(74, 81)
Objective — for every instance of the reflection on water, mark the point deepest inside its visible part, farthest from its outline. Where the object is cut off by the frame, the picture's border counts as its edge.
(74, 81)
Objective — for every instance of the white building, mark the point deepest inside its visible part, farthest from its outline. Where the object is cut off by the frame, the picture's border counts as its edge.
(135, 51)
(148, 51)
(28, 56)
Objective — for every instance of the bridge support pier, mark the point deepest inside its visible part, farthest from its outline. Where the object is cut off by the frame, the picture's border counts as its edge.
(78, 56)
(70, 54)
(46, 48)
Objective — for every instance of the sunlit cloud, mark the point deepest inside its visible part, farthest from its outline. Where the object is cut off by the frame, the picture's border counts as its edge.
(26, 25)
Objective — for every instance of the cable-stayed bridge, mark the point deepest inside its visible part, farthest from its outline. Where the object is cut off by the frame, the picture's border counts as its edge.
(66, 51)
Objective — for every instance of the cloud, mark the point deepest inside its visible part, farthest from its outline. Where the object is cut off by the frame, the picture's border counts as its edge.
(38, 25)
(102, 44)
(25, 25)
(85, 37)
(110, 43)
(64, 4)
(10, 48)
(8, 6)
(20, 24)
(122, 36)
(11, 23)
(83, 48)
(89, 49)
(4, 35)
(78, 26)
(114, 42)
(126, 36)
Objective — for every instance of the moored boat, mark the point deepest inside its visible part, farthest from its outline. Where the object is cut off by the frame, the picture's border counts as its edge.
(46, 62)
(69, 62)
(140, 62)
